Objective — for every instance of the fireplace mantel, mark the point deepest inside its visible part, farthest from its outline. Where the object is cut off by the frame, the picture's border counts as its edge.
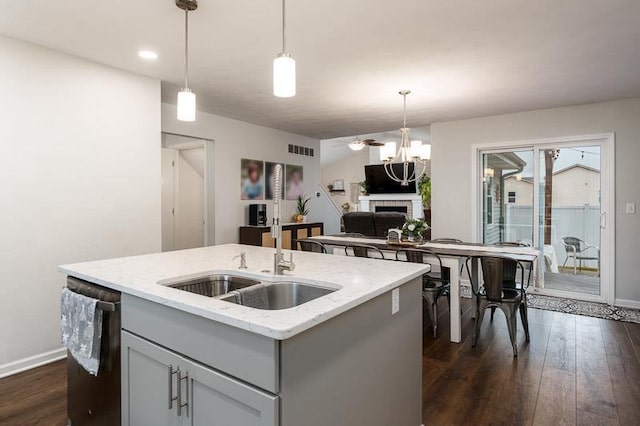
(412, 201)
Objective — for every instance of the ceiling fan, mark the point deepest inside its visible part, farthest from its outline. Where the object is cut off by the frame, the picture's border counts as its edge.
(359, 144)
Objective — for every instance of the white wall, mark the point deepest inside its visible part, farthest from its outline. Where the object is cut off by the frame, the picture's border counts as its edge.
(80, 181)
(451, 169)
(350, 170)
(235, 140)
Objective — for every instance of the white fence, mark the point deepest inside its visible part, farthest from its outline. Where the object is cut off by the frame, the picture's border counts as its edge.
(568, 221)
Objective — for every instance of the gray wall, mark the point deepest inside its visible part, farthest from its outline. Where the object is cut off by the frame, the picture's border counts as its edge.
(451, 169)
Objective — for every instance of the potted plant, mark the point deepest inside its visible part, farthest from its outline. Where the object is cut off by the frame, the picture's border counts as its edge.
(414, 229)
(424, 188)
(346, 207)
(301, 210)
(363, 187)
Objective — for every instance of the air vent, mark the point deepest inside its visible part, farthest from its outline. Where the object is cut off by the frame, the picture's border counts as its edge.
(301, 150)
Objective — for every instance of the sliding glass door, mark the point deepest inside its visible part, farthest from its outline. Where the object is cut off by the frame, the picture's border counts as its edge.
(507, 194)
(554, 195)
(569, 213)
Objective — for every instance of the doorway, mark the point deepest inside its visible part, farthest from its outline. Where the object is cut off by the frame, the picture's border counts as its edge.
(184, 194)
(556, 195)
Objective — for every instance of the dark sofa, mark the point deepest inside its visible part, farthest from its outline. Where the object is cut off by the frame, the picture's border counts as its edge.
(372, 224)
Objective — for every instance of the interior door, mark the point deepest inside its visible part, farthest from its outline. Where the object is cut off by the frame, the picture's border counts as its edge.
(189, 200)
(169, 157)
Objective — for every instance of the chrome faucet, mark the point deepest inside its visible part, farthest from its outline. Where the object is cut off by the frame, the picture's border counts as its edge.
(243, 260)
(279, 263)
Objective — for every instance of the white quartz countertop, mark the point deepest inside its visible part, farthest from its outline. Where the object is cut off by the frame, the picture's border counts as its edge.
(357, 280)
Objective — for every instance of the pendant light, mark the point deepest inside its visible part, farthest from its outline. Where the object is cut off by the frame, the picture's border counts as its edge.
(409, 152)
(284, 66)
(186, 98)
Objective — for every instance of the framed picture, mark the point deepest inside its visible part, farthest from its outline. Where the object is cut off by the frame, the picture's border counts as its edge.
(251, 179)
(269, 169)
(294, 182)
(338, 185)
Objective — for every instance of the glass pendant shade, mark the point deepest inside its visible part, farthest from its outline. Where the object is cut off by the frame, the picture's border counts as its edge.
(356, 146)
(284, 76)
(186, 105)
(387, 151)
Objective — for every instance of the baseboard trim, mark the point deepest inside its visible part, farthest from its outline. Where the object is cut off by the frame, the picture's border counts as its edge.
(28, 363)
(626, 303)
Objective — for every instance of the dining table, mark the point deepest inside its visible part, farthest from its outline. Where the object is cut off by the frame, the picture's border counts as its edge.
(453, 256)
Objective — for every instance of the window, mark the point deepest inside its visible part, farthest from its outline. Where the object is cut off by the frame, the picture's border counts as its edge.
(512, 197)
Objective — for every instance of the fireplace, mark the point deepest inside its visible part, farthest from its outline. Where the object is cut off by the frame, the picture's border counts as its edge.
(411, 204)
(399, 209)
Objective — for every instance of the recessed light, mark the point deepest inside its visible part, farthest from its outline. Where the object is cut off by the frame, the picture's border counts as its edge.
(148, 54)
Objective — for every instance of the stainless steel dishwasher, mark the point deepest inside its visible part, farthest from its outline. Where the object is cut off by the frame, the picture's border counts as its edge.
(95, 400)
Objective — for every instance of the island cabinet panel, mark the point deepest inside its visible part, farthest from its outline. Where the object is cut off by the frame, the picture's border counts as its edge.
(251, 357)
(291, 233)
(164, 388)
(363, 367)
(148, 371)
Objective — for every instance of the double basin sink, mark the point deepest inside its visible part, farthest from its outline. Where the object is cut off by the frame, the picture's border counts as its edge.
(253, 293)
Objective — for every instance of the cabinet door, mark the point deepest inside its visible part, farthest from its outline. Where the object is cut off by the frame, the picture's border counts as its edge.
(267, 240)
(148, 384)
(219, 400)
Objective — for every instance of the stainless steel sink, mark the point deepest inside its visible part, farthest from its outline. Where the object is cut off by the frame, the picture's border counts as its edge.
(214, 285)
(274, 296)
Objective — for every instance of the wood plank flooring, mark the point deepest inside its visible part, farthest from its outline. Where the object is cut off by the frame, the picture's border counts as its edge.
(575, 371)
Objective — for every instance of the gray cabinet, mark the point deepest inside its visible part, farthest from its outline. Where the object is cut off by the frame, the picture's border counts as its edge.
(157, 381)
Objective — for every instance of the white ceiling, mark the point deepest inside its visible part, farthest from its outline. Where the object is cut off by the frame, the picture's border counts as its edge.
(336, 149)
(461, 58)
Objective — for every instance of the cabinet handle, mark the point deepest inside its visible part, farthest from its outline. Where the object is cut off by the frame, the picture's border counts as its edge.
(180, 404)
(170, 374)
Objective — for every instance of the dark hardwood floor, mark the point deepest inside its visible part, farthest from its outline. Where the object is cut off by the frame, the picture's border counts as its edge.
(576, 370)
(35, 397)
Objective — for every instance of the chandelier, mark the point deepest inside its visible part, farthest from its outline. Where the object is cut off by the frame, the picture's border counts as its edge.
(409, 152)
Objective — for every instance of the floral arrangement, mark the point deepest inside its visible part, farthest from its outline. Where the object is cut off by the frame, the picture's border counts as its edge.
(414, 228)
(346, 207)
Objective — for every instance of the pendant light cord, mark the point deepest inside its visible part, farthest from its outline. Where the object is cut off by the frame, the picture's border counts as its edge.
(186, 49)
(284, 27)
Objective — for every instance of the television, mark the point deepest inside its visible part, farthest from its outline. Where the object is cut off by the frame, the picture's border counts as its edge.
(378, 182)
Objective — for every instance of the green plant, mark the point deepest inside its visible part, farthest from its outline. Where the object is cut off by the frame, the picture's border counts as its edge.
(414, 227)
(363, 186)
(424, 187)
(302, 206)
(346, 207)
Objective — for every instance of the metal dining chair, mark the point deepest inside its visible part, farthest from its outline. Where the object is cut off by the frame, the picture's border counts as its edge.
(435, 283)
(313, 246)
(363, 250)
(493, 293)
(510, 279)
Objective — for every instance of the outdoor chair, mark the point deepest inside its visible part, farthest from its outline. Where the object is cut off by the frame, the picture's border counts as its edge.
(575, 249)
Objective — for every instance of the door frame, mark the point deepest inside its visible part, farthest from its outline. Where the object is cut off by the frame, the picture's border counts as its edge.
(607, 201)
(203, 143)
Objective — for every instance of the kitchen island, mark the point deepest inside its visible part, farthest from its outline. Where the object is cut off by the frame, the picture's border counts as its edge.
(351, 356)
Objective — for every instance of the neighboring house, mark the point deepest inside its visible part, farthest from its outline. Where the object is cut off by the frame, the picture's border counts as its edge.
(576, 185)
